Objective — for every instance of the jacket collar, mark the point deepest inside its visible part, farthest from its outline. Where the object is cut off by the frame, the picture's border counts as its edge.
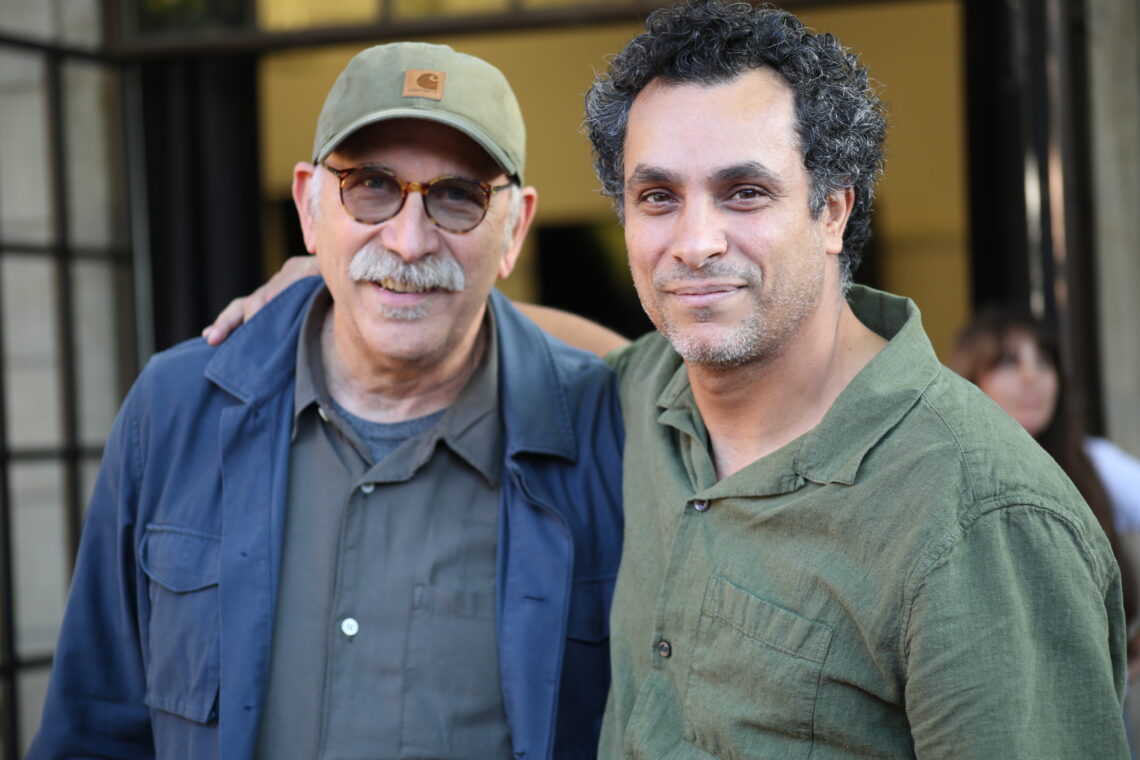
(260, 358)
(532, 391)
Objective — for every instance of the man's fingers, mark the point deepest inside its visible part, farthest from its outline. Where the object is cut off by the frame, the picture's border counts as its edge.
(297, 267)
(229, 320)
(252, 303)
(241, 310)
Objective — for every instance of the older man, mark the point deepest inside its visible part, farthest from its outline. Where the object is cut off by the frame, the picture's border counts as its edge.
(835, 548)
(383, 520)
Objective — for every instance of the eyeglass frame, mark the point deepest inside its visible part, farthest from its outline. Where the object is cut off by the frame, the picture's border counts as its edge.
(420, 187)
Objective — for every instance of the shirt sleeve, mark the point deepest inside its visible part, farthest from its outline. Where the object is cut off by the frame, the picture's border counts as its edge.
(618, 358)
(1015, 642)
(629, 362)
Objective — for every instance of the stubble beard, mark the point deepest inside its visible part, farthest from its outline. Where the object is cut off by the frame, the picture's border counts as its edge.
(770, 326)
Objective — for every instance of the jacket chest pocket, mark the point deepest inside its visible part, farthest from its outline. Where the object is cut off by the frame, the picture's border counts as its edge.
(754, 677)
(182, 633)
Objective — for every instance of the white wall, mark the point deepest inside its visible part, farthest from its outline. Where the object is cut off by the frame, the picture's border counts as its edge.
(1114, 71)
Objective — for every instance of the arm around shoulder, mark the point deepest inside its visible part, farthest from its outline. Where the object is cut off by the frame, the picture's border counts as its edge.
(577, 331)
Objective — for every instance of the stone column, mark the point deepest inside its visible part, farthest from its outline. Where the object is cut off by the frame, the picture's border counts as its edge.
(1114, 77)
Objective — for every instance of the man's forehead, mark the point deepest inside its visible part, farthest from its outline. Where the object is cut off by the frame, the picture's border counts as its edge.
(725, 126)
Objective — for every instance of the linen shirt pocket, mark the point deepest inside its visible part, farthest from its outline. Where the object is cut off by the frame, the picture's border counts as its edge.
(754, 678)
(182, 635)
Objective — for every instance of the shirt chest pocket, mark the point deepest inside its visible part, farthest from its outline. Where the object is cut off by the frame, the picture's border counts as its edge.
(754, 677)
(182, 634)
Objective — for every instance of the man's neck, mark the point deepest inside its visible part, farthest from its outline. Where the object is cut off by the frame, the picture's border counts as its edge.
(381, 389)
(753, 410)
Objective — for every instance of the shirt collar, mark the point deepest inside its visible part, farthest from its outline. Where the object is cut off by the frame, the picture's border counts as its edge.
(310, 385)
(873, 402)
(878, 397)
(471, 426)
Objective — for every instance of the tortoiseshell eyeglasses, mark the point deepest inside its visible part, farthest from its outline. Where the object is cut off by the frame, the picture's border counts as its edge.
(371, 196)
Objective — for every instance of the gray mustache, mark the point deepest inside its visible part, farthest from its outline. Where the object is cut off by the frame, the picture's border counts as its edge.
(373, 263)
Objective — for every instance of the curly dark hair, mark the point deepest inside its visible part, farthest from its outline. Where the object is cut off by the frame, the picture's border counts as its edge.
(840, 120)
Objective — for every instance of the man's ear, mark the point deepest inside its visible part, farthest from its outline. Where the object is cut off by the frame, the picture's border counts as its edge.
(834, 217)
(529, 202)
(302, 187)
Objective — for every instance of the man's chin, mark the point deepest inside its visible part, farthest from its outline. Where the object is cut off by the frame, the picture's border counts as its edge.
(726, 350)
(398, 305)
(405, 313)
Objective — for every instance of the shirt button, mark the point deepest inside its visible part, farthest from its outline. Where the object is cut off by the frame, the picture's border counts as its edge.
(321, 412)
(368, 488)
(701, 505)
(664, 648)
(349, 627)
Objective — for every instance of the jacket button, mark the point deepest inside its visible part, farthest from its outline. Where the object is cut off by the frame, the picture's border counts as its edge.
(664, 649)
(701, 505)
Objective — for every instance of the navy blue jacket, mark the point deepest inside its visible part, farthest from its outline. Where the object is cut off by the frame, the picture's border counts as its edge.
(165, 645)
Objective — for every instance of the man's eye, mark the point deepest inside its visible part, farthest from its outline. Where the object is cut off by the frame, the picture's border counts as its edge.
(748, 196)
(378, 182)
(655, 198)
(454, 191)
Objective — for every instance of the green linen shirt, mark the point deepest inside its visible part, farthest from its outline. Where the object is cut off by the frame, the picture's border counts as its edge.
(914, 577)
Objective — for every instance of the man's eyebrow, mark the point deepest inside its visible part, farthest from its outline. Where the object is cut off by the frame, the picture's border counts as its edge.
(350, 161)
(643, 174)
(745, 170)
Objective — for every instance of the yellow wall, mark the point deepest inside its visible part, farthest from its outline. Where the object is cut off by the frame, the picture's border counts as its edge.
(915, 48)
(915, 51)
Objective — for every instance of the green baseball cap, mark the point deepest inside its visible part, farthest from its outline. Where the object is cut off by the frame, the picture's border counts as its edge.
(417, 80)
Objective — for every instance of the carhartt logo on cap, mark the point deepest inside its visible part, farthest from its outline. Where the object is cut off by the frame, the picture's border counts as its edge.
(420, 83)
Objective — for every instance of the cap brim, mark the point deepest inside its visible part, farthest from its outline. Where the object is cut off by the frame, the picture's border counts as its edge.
(448, 119)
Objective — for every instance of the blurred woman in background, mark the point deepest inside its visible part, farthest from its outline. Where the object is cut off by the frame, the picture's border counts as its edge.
(1014, 360)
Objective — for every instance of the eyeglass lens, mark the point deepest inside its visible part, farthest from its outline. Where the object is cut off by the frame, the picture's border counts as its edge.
(453, 203)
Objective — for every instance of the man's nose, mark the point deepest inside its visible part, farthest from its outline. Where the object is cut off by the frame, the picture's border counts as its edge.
(698, 237)
(410, 234)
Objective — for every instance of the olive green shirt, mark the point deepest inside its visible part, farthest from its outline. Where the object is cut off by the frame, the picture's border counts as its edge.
(914, 577)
